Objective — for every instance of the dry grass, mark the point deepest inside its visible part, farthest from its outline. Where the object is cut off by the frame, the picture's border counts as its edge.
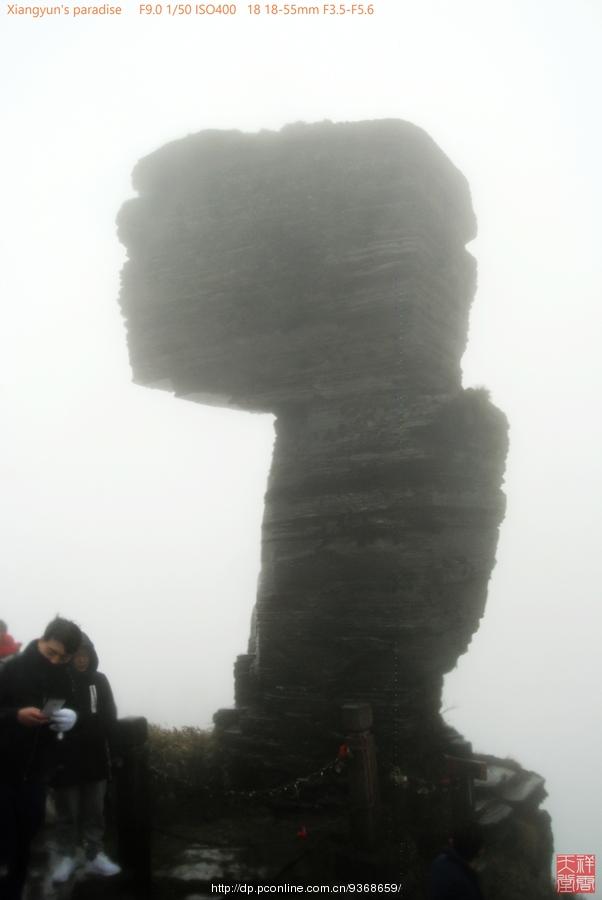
(181, 759)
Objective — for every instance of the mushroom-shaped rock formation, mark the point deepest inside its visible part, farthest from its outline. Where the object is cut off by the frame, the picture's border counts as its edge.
(320, 273)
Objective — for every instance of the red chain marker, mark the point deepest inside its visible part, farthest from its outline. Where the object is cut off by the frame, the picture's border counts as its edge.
(302, 833)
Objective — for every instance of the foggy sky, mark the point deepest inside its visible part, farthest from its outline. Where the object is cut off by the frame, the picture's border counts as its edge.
(139, 515)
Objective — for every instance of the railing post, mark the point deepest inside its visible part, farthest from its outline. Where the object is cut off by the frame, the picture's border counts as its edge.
(364, 793)
(462, 772)
(133, 802)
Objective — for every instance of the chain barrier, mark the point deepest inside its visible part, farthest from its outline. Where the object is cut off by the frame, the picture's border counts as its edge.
(421, 785)
(291, 788)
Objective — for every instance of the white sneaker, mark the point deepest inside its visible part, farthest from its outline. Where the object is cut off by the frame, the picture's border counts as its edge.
(102, 865)
(64, 869)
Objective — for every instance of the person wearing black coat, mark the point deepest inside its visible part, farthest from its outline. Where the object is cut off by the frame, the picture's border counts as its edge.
(80, 782)
(452, 876)
(30, 733)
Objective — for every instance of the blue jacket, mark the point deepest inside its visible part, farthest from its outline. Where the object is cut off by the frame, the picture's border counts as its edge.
(451, 878)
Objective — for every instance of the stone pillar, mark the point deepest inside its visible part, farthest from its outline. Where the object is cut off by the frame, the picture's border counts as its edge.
(321, 274)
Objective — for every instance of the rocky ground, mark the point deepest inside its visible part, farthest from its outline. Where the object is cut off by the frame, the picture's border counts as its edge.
(202, 842)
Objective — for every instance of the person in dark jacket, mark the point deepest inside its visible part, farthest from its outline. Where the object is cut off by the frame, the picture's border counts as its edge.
(36, 709)
(452, 876)
(80, 783)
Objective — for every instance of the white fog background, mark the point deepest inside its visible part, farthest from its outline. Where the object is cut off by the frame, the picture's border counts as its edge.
(138, 514)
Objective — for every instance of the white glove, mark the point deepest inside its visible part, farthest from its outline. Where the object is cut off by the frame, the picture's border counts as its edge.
(63, 720)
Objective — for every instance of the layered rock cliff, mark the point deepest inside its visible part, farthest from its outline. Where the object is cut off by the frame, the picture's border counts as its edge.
(321, 273)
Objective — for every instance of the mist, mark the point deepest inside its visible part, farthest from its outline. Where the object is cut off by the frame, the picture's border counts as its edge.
(139, 515)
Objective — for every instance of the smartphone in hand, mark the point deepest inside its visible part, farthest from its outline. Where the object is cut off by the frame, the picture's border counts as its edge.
(52, 706)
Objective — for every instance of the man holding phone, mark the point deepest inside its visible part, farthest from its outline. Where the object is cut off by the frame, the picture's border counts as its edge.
(36, 707)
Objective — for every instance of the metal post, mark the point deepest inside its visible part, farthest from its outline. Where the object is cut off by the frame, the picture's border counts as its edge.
(364, 794)
(133, 803)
